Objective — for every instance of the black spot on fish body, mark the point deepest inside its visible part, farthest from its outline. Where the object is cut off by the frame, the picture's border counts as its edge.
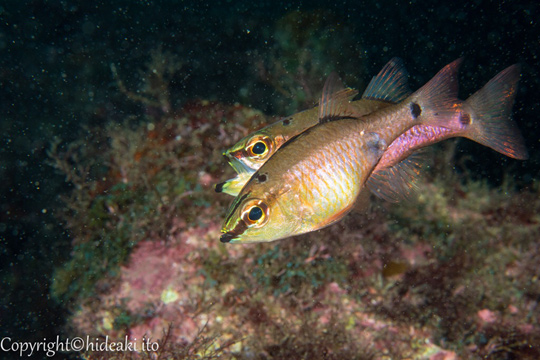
(464, 119)
(262, 178)
(287, 122)
(416, 110)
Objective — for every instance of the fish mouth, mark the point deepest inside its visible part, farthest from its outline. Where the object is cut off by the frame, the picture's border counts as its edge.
(239, 166)
(227, 237)
(233, 234)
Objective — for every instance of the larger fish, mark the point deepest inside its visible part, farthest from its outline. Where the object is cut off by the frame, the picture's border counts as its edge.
(315, 178)
(388, 87)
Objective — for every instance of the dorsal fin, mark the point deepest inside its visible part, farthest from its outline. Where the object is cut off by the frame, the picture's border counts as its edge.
(390, 84)
(399, 181)
(335, 100)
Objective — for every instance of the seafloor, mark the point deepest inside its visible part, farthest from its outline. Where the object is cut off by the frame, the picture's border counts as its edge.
(115, 117)
(450, 274)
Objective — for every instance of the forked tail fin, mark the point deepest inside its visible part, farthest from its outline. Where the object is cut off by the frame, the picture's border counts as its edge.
(491, 123)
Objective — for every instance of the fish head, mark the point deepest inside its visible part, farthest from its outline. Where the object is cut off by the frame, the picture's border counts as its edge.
(252, 151)
(253, 219)
(255, 149)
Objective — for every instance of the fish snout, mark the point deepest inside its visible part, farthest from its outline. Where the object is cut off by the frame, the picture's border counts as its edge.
(226, 238)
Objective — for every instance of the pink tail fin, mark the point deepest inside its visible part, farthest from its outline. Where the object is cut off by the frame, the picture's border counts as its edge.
(492, 125)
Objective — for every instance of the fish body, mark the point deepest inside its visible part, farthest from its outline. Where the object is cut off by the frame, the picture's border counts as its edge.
(315, 178)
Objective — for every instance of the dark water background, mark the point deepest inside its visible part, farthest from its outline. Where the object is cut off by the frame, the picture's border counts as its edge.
(55, 77)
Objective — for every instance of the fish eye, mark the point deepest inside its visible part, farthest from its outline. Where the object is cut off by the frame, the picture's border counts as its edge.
(259, 148)
(255, 213)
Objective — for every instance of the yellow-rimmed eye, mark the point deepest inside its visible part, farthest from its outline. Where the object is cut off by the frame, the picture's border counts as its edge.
(259, 146)
(255, 213)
